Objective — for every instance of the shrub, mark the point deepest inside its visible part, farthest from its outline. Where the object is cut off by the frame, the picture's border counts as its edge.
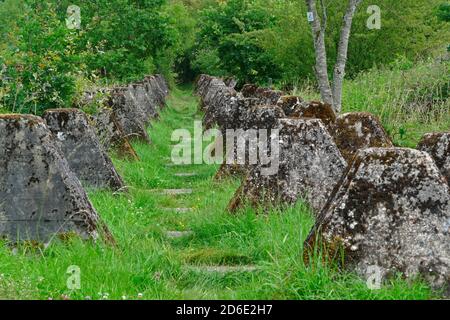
(229, 35)
(40, 65)
(443, 12)
(119, 41)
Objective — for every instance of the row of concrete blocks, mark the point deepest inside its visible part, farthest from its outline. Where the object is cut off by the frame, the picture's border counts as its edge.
(380, 206)
(126, 112)
(45, 163)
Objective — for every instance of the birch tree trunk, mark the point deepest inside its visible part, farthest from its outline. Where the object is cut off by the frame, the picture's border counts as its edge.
(341, 61)
(321, 67)
(331, 95)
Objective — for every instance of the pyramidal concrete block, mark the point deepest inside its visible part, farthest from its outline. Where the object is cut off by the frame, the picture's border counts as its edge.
(40, 197)
(82, 149)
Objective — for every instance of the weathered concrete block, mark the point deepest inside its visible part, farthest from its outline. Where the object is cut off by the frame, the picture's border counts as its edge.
(124, 113)
(220, 106)
(359, 130)
(249, 90)
(230, 82)
(162, 82)
(202, 84)
(391, 211)
(253, 117)
(209, 90)
(111, 135)
(230, 170)
(317, 110)
(265, 95)
(156, 93)
(40, 197)
(243, 110)
(129, 115)
(140, 92)
(438, 146)
(262, 117)
(82, 149)
(289, 104)
(310, 166)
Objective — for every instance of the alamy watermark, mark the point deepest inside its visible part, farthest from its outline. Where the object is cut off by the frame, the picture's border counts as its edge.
(74, 280)
(73, 20)
(234, 146)
(374, 277)
(374, 21)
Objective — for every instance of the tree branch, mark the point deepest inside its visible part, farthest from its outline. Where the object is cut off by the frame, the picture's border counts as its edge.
(324, 16)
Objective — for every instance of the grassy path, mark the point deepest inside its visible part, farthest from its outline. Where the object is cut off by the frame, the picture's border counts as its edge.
(184, 246)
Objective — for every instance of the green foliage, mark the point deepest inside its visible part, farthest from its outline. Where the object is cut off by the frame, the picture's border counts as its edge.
(10, 11)
(408, 28)
(443, 12)
(123, 39)
(119, 41)
(256, 40)
(43, 65)
(40, 64)
(183, 20)
(228, 41)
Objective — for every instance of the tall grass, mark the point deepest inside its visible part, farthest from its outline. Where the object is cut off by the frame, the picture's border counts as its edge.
(410, 99)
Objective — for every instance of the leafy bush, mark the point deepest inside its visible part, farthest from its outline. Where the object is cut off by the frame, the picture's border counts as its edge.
(119, 41)
(255, 40)
(409, 100)
(123, 39)
(40, 66)
(443, 12)
(229, 35)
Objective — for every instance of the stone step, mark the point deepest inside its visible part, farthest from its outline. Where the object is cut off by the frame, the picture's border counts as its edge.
(178, 210)
(185, 174)
(222, 269)
(178, 234)
(171, 192)
(176, 192)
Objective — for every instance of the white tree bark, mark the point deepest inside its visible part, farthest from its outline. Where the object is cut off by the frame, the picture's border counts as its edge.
(341, 61)
(321, 67)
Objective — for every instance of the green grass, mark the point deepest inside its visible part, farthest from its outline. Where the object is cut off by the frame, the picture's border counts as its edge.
(146, 262)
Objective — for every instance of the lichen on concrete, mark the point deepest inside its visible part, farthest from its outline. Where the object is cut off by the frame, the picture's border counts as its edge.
(40, 197)
(392, 211)
(310, 165)
(359, 130)
(82, 149)
(438, 146)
